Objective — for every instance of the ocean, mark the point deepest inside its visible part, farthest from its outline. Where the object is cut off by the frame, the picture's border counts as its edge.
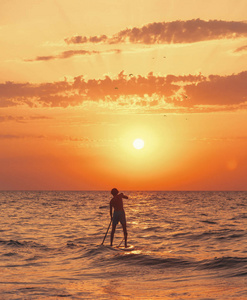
(185, 245)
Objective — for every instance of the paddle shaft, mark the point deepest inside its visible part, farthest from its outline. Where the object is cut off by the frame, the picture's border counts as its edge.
(121, 243)
(106, 233)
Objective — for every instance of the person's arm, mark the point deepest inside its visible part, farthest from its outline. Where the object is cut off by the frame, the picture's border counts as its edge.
(124, 196)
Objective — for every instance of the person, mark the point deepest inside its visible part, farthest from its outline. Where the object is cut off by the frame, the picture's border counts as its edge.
(119, 213)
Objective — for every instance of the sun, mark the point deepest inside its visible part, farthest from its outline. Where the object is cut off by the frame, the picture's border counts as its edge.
(138, 144)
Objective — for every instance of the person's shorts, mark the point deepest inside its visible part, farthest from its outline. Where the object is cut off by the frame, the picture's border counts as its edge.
(119, 216)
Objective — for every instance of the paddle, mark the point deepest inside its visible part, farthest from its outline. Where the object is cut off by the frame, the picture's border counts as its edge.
(121, 243)
(106, 233)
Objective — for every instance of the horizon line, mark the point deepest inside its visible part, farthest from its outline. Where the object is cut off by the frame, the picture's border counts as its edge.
(100, 190)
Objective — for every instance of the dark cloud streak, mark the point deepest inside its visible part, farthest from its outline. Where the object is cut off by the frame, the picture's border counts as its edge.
(243, 48)
(68, 54)
(63, 55)
(22, 119)
(189, 31)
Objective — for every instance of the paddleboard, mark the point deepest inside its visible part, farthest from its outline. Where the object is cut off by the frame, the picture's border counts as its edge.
(129, 248)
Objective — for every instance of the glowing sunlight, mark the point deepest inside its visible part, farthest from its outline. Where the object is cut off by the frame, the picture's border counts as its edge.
(138, 144)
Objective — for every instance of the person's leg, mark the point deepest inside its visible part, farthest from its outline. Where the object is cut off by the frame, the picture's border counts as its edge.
(125, 233)
(113, 231)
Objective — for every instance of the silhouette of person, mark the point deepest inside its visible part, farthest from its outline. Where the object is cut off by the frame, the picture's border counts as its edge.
(119, 213)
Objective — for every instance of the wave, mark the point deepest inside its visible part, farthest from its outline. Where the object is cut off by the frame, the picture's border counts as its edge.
(209, 222)
(103, 206)
(24, 244)
(216, 234)
(149, 260)
(239, 274)
(224, 262)
(216, 263)
(154, 228)
(109, 257)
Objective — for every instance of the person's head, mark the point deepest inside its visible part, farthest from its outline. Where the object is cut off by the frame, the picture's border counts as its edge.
(114, 192)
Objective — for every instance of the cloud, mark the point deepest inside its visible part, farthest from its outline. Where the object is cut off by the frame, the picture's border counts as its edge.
(61, 138)
(30, 137)
(189, 31)
(243, 48)
(22, 119)
(83, 39)
(193, 92)
(64, 54)
(219, 90)
(68, 54)
(15, 136)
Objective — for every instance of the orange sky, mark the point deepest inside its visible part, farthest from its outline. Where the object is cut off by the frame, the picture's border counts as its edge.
(80, 80)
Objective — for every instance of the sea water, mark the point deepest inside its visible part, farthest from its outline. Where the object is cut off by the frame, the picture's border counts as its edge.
(186, 245)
